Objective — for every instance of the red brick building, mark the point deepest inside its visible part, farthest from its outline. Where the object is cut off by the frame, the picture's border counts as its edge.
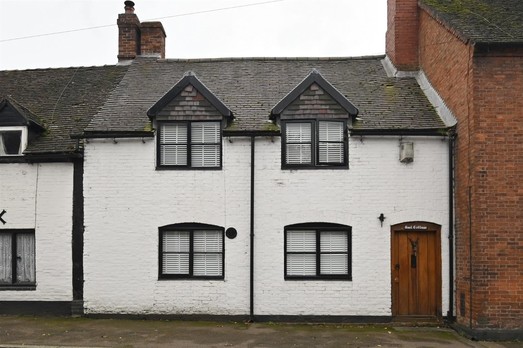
(471, 52)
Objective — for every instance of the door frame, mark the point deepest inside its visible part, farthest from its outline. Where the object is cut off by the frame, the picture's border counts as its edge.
(420, 227)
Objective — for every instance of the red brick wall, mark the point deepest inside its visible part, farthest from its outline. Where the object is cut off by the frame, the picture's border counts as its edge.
(485, 95)
(447, 63)
(498, 195)
(402, 33)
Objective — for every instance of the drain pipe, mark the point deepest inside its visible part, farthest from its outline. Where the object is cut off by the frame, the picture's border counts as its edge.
(452, 138)
(252, 135)
(251, 277)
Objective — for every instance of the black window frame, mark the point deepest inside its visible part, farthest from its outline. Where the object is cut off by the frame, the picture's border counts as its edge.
(18, 136)
(315, 141)
(14, 285)
(318, 228)
(188, 166)
(191, 228)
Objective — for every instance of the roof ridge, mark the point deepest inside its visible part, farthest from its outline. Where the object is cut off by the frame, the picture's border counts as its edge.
(222, 59)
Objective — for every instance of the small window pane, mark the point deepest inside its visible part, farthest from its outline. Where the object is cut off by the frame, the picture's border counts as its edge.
(301, 241)
(207, 265)
(205, 156)
(6, 269)
(301, 264)
(334, 264)
(175, 155)
(298, 132)
(175, 264)
(173, 133)
(25, 265)
(176, 241)
(331, 152)
(298, 153)
(205, 132)
(330, 131)
(333, 241)
(208, 241)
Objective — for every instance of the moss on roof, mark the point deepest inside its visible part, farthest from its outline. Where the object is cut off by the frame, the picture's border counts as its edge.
(482, 21)
(63, 100)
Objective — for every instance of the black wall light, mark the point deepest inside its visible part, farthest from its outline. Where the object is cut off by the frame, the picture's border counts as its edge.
(381, 218)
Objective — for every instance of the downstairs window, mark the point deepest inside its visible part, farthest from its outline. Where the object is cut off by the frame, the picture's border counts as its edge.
(318, 251)
(191, 251)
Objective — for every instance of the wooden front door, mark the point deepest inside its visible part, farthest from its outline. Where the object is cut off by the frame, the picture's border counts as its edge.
(416, 269)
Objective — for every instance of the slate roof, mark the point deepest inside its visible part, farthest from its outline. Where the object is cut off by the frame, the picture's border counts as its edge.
(63, 100)
(482, 21)
(251, 87)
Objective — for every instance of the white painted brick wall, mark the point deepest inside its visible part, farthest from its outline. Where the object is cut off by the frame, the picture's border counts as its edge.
(126, 200)
(39, 196)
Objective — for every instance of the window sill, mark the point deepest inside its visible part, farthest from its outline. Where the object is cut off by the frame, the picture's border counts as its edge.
(168, 278)
(319, 278)
(17, 287)
(187, 168)
(290, 167)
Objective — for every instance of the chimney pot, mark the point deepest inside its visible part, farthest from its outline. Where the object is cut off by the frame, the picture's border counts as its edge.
(129, 7)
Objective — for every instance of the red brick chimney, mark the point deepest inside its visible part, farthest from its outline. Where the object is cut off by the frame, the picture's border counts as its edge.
(153, 38)
(402, 33)
(135, 38)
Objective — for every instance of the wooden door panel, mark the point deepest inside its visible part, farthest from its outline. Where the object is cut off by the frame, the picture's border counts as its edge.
(416, 270)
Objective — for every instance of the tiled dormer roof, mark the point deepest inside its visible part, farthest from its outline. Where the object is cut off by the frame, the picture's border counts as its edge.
(252, 87)
(481, 21)
(63, 100)
(13, 113)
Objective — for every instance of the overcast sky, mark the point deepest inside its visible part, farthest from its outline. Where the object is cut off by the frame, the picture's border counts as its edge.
(194, 28)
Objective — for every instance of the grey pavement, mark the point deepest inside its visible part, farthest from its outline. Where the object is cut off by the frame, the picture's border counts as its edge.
(33, 332)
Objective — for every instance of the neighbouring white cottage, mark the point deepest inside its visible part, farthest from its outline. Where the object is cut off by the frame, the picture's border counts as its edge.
(41, 170)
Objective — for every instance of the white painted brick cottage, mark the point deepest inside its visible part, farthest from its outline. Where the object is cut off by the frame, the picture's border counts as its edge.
(259, 187)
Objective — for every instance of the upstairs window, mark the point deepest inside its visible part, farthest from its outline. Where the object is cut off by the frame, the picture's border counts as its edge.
(318, 251)
(314, 143)
(17, 259)
(191, 251)
(10, 143)
(183, 145)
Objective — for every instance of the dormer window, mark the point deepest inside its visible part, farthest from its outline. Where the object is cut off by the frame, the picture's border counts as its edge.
(17, 125)
(189, 121)
(189, 144)
(13, 140)
(315, 118)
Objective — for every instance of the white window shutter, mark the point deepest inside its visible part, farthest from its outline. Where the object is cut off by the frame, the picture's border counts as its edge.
(335, 243)
(176, 246)
(208, 248)
(205, 140)
(331, 145)
(301, 242)
(298, 138)
(173, 144)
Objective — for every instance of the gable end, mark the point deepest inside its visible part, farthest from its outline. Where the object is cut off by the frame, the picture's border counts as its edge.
(189, 97)
(313, 87)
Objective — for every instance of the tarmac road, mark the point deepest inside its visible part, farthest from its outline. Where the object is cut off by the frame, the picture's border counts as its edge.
(85, 332)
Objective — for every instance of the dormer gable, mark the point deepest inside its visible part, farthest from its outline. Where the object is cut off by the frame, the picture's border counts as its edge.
(17, 126)
(189, 99)
(314, 97)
